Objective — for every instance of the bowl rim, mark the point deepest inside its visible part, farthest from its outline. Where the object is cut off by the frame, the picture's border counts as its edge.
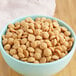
(42, 64)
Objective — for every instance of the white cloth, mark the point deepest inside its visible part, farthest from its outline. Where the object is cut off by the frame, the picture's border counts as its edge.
(11, 9)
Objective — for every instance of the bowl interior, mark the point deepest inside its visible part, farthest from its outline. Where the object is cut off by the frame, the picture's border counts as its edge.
(33, 17)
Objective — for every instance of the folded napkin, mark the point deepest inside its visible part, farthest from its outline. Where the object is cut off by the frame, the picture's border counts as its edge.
(11, 9)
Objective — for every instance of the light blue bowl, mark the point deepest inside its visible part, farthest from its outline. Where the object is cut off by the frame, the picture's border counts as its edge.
(30, 69)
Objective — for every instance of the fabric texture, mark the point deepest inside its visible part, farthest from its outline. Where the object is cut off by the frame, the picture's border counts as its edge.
(11, 9)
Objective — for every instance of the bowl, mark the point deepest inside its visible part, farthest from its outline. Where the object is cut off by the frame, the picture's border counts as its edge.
(44, 69)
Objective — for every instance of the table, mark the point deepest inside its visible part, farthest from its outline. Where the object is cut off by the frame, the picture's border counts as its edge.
(66, 11)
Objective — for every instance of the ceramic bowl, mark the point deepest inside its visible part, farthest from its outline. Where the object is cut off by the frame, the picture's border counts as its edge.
(30, 69)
